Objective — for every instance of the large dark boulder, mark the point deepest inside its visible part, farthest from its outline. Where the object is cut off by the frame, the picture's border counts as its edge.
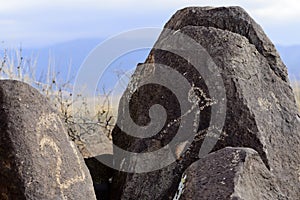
(37, 159)
(230, 173)
(261, 112)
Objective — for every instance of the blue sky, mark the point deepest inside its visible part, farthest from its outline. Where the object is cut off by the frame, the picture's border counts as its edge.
(37, 24)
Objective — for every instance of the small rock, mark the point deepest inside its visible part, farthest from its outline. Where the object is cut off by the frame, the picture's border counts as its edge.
(247, 179)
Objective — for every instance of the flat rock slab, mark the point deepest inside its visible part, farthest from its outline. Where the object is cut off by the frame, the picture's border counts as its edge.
(38, 161)
(261, 111)
(230, 173)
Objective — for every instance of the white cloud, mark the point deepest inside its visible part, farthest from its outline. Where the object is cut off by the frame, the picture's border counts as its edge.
(280, 10)
(285, 9)
(59, 20)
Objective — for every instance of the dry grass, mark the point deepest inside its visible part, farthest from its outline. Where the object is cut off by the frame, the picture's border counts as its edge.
(296, 89)
(79, 117)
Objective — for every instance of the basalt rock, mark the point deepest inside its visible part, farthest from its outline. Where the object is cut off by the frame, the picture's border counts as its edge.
(230, 173)
(261, 112)
(37, 159)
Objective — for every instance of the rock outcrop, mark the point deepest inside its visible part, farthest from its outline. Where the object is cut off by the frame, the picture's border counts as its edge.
(38, 160)
(230, 173)
(261, 112)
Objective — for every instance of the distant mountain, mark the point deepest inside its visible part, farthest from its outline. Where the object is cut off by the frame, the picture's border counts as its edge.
(74, 52)
(63, 55)
(291, 57)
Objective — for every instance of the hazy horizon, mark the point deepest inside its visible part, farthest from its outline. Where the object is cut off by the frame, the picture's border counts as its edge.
(38, 24)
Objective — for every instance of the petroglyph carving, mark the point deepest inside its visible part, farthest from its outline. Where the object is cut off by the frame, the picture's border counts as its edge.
(45, 122)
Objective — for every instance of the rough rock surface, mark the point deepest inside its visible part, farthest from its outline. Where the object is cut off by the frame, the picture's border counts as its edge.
(230, 173)
(261, 110)
(38, 161)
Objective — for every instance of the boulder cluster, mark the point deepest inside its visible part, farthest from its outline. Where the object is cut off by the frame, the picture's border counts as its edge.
(215, 92)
